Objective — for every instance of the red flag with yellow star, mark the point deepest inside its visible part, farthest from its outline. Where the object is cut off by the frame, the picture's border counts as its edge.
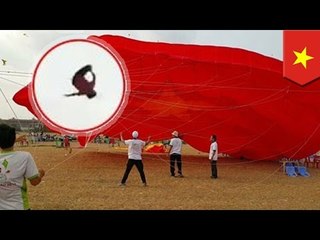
(301, 55)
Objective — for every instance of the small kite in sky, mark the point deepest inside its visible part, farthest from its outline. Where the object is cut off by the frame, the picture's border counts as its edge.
(4, 62)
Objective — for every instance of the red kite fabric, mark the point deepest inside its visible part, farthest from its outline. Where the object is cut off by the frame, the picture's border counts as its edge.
(240, 96)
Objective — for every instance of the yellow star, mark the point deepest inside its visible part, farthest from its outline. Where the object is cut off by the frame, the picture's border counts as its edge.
(302, 57)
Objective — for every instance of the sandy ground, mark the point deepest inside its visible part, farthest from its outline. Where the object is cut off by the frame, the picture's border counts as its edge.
(88, 179)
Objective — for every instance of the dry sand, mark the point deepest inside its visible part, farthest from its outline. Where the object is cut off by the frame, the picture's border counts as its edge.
(88, 179)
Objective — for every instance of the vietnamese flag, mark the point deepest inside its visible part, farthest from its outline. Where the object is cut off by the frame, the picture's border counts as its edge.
(301, 55)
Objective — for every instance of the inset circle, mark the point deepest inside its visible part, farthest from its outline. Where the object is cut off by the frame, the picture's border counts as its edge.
(63, 105)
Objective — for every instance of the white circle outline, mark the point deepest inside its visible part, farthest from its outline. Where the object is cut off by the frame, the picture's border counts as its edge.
(112, 118)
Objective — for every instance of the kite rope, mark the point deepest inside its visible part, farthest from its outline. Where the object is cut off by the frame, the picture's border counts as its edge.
(268, 176)
(267, 99)
(88, 136)
(11, 81)
(14, 75)
(11, 108)
(19, 72)
(58, 164)
(307, 140)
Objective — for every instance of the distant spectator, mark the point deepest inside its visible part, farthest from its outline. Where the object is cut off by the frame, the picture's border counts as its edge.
(66, 144)
(213, 156)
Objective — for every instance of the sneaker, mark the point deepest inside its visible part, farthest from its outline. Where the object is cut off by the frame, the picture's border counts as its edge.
(173, 175)
(144, 185)
(180, 175)
(122, 184)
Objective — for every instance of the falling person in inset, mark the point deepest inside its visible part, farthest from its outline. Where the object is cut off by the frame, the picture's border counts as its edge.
(82, 84)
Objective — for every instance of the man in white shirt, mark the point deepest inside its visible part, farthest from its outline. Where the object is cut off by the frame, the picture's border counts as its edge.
(213, 156)
(15, 168)
(134, 157)
(175, 147)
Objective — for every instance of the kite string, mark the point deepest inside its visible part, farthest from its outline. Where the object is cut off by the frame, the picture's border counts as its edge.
(11, 81)
(14, 75)
(11, 108)
(307, 140)
(88, 135)
(19, 72)
(58, 164)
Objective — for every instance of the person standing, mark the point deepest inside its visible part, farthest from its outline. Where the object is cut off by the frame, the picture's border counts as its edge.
(135, 147)
(213, 156)
(15, 168)
(175, 147)
(66, 144)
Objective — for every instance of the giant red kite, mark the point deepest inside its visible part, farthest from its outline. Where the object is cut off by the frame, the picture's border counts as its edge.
(240, 96)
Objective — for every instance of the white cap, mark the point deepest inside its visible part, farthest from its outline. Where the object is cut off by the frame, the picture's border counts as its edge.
(135, 134)
(175, 133)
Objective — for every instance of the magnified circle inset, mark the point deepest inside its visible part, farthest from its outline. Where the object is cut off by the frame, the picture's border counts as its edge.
(79, 86)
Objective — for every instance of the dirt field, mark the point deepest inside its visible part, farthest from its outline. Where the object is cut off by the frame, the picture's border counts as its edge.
(88, 179)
